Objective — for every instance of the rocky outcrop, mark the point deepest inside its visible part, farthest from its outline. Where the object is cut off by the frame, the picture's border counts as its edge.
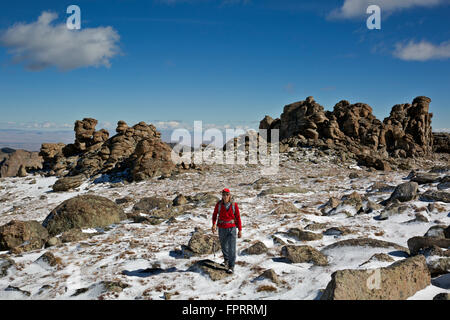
(85, 211)
(22, 236)
(353, 128)
(136, 151)
(19, 162)
(441, 142)
(398, 281)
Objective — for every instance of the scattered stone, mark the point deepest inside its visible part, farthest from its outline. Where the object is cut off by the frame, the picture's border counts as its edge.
(5, 264)
(68, 183)
(17, 289)
(442, 296)
(48, 259)
(212, 269)
(114, 286)
(85, 211)
(285, 208)
(22, 236)
(337, 231)
(282, 190)
(383, 257)
(53, 241)
(269, 274)
(438, 265)
(425, 177)
(73, 235)
(179, 200)
(398, 281)
(302, 254)
(404, 192)
(124, 200)
(257, 248)
(365, 242)
(417, 243)
(277, 240)
(391, 209)
(433, 195)
(201, 243)
(302, 235)
(316, 226)
(381, 187)
(443, 185)
(436, 232)
(147, 205)
(372, 206)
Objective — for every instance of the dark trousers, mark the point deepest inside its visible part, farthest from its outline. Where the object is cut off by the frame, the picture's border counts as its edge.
(227, 237)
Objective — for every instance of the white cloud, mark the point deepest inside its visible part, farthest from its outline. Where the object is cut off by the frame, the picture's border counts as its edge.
(43, 43)
(422, 51)
(357, 8)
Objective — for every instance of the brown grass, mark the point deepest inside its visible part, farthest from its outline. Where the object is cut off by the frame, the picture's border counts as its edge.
(266, 288)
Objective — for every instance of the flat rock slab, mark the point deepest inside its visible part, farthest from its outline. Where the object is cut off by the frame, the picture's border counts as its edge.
(365, 242)
(415, 244)
(398, 281)
(212, 269)
(68, 183)
(433, 195)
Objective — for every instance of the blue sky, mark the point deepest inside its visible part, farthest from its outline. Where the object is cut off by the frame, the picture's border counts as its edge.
(224, 62)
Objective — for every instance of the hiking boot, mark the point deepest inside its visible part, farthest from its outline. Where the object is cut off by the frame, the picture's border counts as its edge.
(230, 270)
(224, 264)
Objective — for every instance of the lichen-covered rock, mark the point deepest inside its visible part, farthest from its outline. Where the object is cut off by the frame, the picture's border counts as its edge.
(301, 254)
(302, 235)
(416, 244)
(22, 236)
(398, 281)
(434, 195)
(201, 243)
(68, 183)
(404, 192)
(85, 211)
(257, 248)
(365, 242)
(210, 268)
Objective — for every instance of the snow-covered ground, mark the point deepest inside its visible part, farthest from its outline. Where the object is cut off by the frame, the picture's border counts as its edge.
(125, 249)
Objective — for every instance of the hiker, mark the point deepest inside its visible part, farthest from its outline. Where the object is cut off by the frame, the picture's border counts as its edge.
(229, 220)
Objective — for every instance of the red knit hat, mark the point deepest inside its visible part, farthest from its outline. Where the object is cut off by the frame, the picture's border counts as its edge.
(226, 190)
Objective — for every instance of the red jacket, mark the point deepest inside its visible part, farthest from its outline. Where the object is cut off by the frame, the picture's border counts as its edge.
(227, 215)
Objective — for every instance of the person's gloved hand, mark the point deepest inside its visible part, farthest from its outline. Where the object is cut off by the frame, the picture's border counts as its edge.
(240, 234)
(213, 229)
